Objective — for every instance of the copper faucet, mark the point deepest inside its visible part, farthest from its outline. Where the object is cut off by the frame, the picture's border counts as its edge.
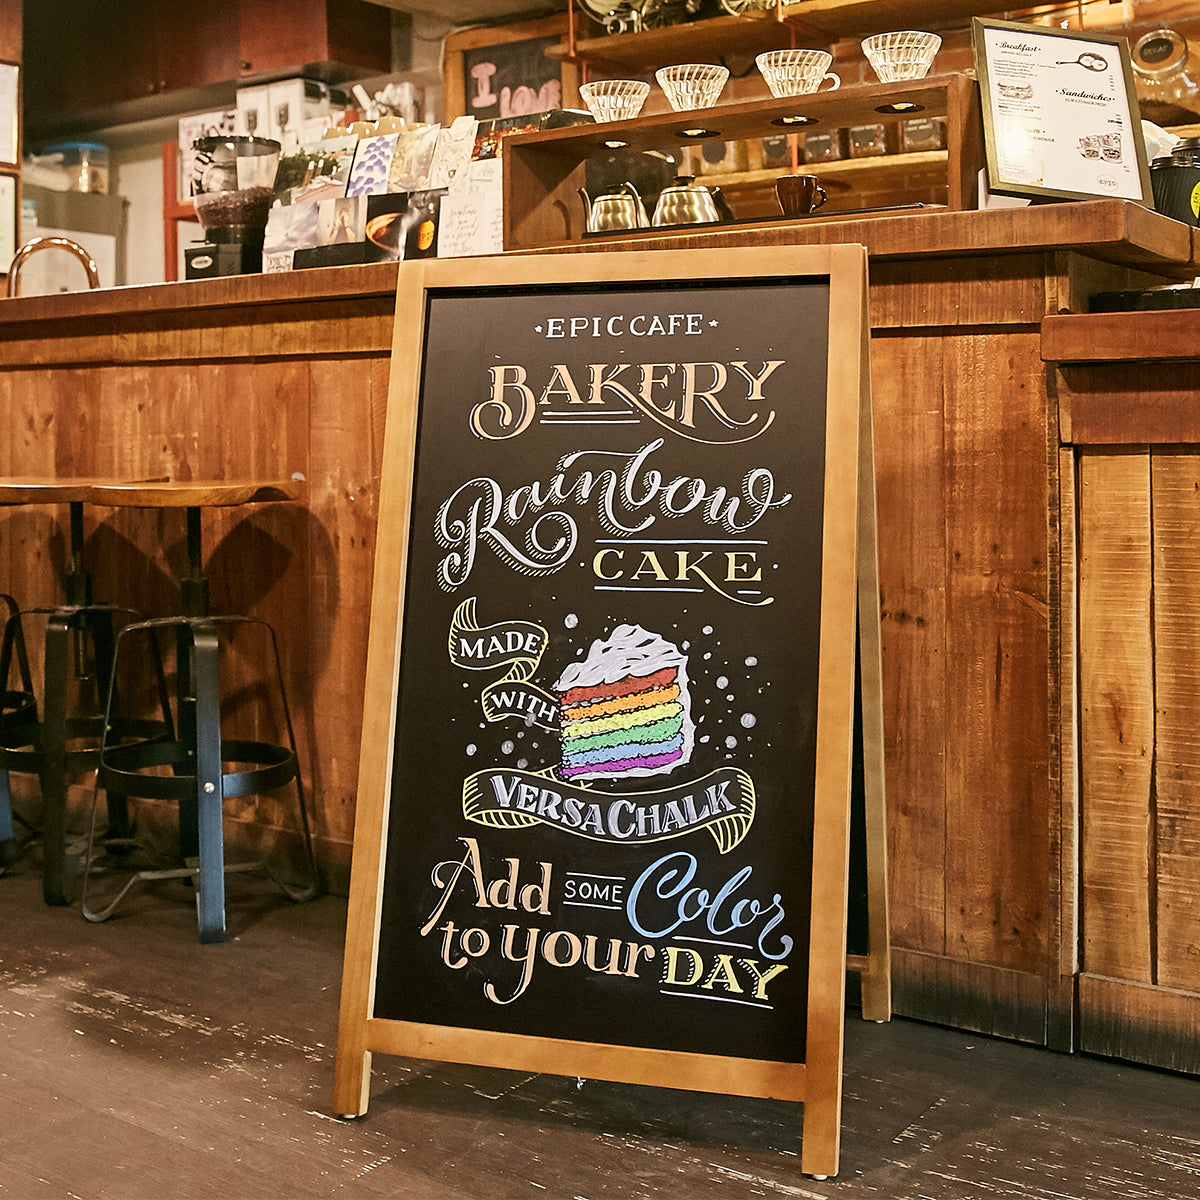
(51, 243)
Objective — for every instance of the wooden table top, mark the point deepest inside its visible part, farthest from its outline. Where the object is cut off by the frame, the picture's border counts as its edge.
(197, 493)
(153, 493)
(45, 490)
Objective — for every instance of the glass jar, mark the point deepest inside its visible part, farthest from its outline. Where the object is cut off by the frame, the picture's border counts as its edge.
(84, 165)
(1165, 78)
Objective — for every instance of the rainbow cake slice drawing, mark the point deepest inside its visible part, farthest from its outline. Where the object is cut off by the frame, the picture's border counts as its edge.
(625, 708)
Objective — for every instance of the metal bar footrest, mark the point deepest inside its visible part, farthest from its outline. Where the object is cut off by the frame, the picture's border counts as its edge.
(22, 747)
(125, 769)
(189, 870)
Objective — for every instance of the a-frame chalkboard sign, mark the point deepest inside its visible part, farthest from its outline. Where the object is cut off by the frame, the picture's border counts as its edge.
(604, 794)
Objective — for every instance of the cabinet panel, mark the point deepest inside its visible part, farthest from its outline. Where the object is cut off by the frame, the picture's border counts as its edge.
(195, 51)
(82, 57)
(1116, 714)
(81, 54)
(280, 34)
(1175, 488)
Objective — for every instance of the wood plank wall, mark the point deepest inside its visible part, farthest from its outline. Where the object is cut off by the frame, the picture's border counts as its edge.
(297, 387)
(1139, 604)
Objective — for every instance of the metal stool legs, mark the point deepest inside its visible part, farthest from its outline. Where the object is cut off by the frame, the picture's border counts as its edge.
(201, 778)
(61, 745)
(18, 707)
(64, 743)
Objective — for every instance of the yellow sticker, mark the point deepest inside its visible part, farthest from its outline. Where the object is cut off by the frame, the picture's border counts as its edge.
(1195, 201)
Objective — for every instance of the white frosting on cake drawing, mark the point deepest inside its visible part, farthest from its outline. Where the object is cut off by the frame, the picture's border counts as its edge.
(625, 708)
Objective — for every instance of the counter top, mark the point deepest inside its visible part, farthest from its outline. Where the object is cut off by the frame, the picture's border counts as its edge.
(1114, 231)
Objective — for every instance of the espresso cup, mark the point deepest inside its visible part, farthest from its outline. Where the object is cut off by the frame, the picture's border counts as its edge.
(799, 194)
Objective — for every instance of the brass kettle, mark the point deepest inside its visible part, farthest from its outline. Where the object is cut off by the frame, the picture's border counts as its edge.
(686, 202)
(621, 209)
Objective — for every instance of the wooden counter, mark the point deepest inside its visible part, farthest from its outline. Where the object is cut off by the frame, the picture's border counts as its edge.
(271, 375)
(1128, 391)
(262, 376)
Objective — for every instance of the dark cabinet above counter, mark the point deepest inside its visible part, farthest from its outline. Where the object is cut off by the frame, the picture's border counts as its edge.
(93, 63)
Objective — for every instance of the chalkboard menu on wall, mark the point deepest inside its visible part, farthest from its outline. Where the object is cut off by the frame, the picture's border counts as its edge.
(512, 79)
(604, 789)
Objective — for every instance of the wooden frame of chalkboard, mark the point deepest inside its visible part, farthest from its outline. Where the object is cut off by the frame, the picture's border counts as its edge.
(603, 810)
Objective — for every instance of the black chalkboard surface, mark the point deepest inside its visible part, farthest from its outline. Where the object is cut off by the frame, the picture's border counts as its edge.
(604, 792)
(512, 78)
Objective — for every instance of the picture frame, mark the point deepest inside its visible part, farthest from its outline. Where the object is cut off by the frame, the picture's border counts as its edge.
(8, 220)
(10, 148)
(1060, 113)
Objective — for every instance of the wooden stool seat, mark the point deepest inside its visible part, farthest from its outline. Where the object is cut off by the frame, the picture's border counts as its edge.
(197, 767)
(204, 493)
(60, 744)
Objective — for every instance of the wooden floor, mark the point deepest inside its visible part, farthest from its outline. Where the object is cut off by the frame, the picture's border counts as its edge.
(137, 1064)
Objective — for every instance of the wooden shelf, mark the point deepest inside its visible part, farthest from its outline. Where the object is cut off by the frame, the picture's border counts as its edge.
(696, 41)
(860, 18)
(806, 22)
(544, 170)
(916, 164)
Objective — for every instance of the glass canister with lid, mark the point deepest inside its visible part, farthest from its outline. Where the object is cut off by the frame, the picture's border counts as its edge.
(1165, 73)
(84, 164)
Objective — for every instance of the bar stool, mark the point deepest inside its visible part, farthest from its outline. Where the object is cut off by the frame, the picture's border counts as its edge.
(194, 769)
(78, 646)
(18, 706)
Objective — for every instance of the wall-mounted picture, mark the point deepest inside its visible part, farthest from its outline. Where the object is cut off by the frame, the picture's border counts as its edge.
(8, 219)
(1060, 113)
(9, 137)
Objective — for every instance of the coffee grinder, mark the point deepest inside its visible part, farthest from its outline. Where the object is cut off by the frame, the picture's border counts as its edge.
(233, 186)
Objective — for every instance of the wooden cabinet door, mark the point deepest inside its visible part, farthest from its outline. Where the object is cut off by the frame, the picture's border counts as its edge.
(1139, 704)
(195, 45)
(282, 34)
(82, 54)
(86, 55)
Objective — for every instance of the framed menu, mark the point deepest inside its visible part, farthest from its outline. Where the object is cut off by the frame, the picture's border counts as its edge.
(1060, 113)
(603, 813)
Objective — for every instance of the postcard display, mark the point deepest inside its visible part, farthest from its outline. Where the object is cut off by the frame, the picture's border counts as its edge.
(604, 794)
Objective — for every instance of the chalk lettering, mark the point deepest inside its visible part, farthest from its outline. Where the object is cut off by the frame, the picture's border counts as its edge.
(663, 899)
